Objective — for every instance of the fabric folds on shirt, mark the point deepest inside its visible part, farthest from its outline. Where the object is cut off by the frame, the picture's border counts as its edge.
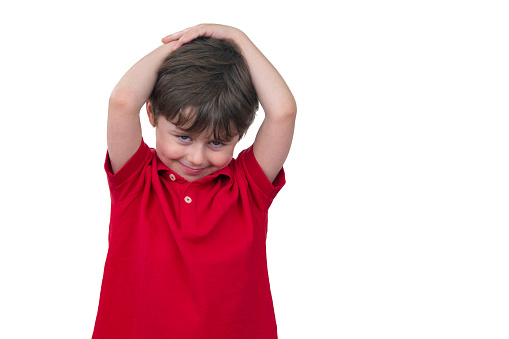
(187, 259)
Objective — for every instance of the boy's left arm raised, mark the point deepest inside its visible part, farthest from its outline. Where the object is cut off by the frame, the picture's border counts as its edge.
(274, 138)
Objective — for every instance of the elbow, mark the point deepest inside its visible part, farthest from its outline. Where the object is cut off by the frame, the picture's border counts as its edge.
(285, 113)
(289, 109)
(120, 99)
(293, 107)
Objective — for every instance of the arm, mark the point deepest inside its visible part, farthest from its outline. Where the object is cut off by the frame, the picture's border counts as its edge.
(126, 100)
(275, 135)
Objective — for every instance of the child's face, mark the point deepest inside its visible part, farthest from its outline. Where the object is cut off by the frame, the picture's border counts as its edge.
(191, 156)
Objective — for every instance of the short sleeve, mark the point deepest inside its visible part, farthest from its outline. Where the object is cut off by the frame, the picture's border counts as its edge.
(256, 176)
(124, 181)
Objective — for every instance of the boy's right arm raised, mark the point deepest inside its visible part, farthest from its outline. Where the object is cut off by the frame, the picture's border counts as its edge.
(126, 100)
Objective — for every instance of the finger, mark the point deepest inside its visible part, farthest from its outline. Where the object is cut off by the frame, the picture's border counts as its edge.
(175, 36)
(176, 45)
(171, 37)
(186, 35)
(183, 40)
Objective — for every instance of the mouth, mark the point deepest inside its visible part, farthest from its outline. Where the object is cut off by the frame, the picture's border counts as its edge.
(191, 170)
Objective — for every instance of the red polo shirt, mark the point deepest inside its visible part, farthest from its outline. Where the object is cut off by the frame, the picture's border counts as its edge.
(187, 259)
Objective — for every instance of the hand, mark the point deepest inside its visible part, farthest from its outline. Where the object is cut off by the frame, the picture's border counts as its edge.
(205, 30)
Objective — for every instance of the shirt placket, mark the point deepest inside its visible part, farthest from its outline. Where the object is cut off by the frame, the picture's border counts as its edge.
(189, 203)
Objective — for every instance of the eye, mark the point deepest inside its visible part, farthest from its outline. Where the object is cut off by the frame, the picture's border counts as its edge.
(184, 138)
(216, 143)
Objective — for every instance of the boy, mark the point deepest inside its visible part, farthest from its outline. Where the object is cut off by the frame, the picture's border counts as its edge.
(186, 255)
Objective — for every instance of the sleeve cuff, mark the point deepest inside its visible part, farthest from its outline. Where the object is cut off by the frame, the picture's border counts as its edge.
(130, 167)
(256, 173)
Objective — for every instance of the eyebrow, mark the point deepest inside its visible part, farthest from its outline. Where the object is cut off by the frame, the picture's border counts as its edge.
(181, 132)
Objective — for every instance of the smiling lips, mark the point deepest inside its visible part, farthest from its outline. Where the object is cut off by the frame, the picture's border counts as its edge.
(191, 170)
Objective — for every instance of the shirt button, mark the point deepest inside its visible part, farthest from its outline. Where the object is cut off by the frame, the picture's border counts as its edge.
(172, 177)
(188, 200)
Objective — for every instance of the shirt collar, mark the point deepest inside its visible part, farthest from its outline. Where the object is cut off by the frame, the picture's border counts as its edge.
(227, 171)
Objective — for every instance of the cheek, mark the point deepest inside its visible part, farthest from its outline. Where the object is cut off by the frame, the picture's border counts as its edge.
(166, 148)
(221, 159)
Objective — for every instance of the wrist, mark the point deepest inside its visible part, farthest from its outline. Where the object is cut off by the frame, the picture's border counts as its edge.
(242, 41)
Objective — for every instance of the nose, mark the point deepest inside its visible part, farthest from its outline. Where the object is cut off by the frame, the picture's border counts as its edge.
(195, 155)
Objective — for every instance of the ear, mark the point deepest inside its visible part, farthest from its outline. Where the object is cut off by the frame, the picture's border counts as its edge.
(150, 113)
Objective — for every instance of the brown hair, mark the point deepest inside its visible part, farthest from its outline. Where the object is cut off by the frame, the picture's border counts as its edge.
(205, 85)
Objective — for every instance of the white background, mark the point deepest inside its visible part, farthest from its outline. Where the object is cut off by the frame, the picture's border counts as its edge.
(394, 222)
